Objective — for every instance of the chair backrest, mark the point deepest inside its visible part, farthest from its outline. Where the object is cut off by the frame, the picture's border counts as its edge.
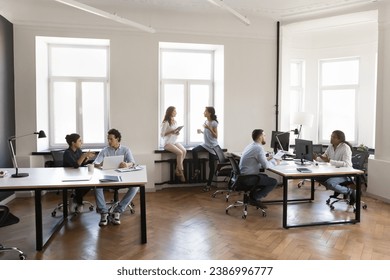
(317, 149)
(241, 182)
(359, 159)
(220, 154)
(58, 158)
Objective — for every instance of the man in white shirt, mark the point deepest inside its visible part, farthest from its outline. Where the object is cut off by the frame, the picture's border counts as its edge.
(253, 159)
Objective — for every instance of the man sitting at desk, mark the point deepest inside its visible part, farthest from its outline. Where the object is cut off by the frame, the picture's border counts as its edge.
(338, 154)
(114, 148)
(252, 160)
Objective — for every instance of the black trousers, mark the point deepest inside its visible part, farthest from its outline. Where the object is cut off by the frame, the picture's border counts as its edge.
(212, 159)
(79, 194)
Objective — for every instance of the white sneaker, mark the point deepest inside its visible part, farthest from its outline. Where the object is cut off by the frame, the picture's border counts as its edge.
(79, 208)
(116, 218)
(103, 219)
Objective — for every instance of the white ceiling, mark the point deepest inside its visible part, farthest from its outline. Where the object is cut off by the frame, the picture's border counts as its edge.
(52, 12)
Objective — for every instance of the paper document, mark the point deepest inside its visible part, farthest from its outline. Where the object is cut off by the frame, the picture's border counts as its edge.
(134, 168)
(279, 155)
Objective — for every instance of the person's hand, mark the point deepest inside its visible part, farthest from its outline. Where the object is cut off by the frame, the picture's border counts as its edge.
(325, 158)
(199, 131)
(123, 165)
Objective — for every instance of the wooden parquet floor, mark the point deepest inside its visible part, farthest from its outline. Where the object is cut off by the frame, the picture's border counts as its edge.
(187, 224)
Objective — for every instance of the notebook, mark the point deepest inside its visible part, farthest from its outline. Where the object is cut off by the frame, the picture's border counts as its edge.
(112, 162)
(76, 178)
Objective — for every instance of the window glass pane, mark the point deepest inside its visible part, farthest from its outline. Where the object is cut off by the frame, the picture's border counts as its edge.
(295, 101)
(186, 65)
(338, 113)
(295, 74)
(344, 72)
(64, 110)
(93, 110)
(78, 62)
(199, 99)
(174, 96)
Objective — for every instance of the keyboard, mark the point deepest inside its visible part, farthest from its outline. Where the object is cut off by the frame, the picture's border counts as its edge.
(303, 170)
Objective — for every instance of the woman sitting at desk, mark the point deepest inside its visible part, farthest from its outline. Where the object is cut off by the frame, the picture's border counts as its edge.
(74, 157)
(169, 133)
(338, 154)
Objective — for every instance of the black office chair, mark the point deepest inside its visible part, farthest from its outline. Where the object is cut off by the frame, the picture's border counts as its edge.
(359, 161)
(4, 216)
(57, 161)
(244, 184)
(223, 169)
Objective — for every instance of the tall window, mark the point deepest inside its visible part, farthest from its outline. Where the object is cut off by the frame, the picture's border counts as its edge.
(296, 85)
(187, 82)
(339, 84)
(78, 92)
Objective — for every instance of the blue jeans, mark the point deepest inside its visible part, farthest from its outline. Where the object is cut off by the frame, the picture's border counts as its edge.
(334, 184)
(101, 201)
(267, 184)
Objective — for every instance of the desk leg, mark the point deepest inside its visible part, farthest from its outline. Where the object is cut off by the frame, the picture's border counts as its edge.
(143, 215)
(285, 200)
(65, 203)
(38, 220)
(312, 189)
(358, 198)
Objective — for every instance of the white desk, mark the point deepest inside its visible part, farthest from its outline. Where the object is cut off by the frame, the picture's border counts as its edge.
(288, 171)
(52, 178)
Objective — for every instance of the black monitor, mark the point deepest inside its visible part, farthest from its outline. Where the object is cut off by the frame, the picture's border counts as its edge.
(303, 150)
(280, 141)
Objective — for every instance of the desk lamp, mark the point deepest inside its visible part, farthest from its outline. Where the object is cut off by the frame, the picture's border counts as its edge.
(301, 118)
(41, 134)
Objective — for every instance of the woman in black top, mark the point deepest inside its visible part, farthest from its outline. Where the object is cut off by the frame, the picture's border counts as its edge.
(74, 157)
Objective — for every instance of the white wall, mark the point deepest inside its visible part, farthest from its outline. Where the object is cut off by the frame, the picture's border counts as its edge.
(250, 77)
(379, 167)
(329, 40)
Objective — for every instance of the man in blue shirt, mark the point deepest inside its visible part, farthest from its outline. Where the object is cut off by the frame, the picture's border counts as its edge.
(114, 148)
(253, 159)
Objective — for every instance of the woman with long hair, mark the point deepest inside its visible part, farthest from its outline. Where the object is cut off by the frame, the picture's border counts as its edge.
(210, 136)
(169, 133)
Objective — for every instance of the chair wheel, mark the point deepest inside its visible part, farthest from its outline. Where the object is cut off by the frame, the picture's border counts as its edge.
(213, 195)
(331, 207)
(132, 211)
(53, 214)
(90, 208)
(22, 257)
(244, 217)
(365, 206)
(227, 211)
(328, 201)
(264, 214)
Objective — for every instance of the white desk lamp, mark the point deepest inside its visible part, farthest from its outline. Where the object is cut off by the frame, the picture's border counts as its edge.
(302, 118)
(41, 134)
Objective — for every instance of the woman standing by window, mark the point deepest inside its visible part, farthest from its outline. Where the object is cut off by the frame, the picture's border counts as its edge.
(210, 135)
(169, 133)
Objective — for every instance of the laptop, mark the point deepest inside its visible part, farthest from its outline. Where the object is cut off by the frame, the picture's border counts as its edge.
(112, 162)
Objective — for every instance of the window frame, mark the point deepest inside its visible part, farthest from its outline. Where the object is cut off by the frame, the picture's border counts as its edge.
(323, 139)
(187, 86)
(78, 80)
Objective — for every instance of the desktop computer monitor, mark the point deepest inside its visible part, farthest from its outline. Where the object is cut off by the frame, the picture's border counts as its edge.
(280, 141)
(303, 150)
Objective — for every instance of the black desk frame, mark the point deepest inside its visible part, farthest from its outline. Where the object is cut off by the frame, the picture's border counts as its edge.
(42, 242)
(285, 201)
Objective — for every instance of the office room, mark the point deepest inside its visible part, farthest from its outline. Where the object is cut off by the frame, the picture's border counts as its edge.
(249, 91)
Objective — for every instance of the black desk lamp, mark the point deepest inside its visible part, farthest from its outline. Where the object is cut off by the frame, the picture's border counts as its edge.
(41, 134)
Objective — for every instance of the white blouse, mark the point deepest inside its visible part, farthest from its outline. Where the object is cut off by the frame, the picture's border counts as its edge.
(169, 138)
